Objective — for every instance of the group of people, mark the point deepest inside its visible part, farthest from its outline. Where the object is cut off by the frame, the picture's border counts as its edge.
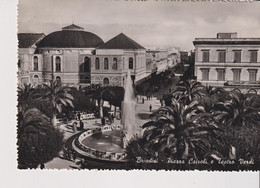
(69, 154)
(75, 126)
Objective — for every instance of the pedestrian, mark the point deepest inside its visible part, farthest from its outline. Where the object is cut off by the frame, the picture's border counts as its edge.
(143, 100)
(81, 125)
(113, 117)
(74, 155)
(150, 107)
(74, 127)
(79, 116)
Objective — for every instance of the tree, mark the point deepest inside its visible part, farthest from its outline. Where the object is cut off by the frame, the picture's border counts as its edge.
(237, 110)
(188, 91)
(58, 96)
(38, 141)
(180, 131)
(239, 117)
(26, 94)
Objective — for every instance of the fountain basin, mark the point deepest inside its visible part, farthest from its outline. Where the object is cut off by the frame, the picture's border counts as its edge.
(104, 143)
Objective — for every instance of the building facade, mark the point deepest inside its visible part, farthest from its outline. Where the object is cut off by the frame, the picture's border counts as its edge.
(228, 61)
(29, 63)
(78, 58)
(113, 59)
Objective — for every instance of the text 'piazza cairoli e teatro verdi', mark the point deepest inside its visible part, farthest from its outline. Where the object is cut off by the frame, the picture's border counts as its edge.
(78, 58)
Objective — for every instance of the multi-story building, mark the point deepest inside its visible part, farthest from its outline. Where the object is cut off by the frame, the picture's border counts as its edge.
(29, 62)
(228, 61)
(78, 58)
(113, 59)
(157, 60)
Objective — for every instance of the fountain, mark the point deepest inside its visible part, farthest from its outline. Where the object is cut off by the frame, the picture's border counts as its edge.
(107, 143)
(128, 107)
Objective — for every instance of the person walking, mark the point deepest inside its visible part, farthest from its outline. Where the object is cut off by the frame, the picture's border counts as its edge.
(74, 127)
(81, 125)
(150, 107)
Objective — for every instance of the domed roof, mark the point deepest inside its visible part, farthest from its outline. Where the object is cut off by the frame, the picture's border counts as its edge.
(71, 36)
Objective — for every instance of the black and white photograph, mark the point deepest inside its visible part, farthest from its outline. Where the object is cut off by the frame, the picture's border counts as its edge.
(138, 85)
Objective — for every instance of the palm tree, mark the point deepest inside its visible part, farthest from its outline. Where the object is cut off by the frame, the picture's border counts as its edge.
(26, 93)
(95, 92)
(57, 95)
(38, 141)
(188, 91)
(237, 110)
(181, 131)
(212, 97)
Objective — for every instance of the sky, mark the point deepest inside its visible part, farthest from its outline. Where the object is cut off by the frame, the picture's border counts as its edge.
(151, 23)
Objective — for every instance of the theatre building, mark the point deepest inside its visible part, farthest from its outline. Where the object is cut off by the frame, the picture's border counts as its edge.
(78, 58)
(229, 62)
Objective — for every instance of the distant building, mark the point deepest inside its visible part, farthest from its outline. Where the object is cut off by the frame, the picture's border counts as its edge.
(228, 61)
(78, 58)
(157, 60)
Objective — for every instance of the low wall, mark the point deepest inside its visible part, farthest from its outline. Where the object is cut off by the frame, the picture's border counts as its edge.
(91, 152)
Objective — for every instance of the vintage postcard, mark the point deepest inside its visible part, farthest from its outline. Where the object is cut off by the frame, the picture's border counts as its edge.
(148, 85)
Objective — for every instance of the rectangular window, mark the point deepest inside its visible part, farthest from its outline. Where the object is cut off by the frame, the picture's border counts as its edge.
(237, 56)
(253, 56)
(222, 56)
(205, 56)
(205, 74)
(252, 75)
(221, 74)
(236, 75)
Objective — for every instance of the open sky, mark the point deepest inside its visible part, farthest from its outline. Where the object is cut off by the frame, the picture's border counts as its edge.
(150, 23)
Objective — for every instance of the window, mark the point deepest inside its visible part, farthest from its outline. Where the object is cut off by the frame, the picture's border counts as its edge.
(222, 56)
(236, 75)
(105, 63)
(205, 56)
(35, 79)
(114, 66)
(106, 81)
(237, 56)
(253, 56)
(205, 74)
(86, 64)
(35, 63)
(97, 63)
(58, 64)
(131, 63)
(252, 75)
(221, 74)
(58, 79)
(19, 63)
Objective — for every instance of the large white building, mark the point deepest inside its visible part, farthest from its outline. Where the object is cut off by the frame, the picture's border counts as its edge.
(78, 58)
(228, 61)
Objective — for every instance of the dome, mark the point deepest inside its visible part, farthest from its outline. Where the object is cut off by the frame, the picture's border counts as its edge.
(71, 36)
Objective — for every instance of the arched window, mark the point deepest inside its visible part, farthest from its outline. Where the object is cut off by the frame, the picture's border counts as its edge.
(35, 63)
(106, 81)
(86, 64)
(97, 63)
(131, 63)
(114, 66)
(35, 79)
(105, 63)
(58, 78)
(58, 64)
(19, 63)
